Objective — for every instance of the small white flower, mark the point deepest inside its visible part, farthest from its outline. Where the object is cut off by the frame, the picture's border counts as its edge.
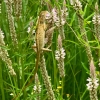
(12, 71)
(62, 53)
(93, 83)
(96, 83)
(89, 86)
(89, 79)
(63, 22)
(71, 2)
(33, 32)
(2, 38)
(35, 88)
(99, 64)
(39, 88)
(11, 94)
(57, 55)
(2, 35)
(29, 29)
(5, 1)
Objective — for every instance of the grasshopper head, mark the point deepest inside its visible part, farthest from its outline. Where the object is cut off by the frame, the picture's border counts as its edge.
(45, 15)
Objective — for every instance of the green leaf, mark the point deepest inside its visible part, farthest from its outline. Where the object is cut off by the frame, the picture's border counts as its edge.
(90, 16)
(85, 9)
(73, 19)
(85, 67)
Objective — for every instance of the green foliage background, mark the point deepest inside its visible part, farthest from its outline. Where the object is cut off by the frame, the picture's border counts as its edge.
(23, 57)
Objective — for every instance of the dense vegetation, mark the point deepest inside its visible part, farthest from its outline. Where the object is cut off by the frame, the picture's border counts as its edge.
(79, 36)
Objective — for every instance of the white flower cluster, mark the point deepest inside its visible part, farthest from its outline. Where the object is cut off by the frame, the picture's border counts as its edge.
(96, 22)
(0, 8)
(99, 62)
(35, 88)
(59, 18)
(96, 19)
(60, 54)
(93, 83)
(55, 16)
(92, 87)
(6, 1)
(46, 79)
(77, 4)
(1, 38)
(11, 22)
(4, 54)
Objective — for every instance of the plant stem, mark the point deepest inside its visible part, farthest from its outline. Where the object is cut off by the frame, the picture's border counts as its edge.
(1, 83)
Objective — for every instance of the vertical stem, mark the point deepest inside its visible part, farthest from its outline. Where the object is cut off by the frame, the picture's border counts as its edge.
(23, 79)
(62, 87)
(99, 68)
(55, 71)
(1, 83)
